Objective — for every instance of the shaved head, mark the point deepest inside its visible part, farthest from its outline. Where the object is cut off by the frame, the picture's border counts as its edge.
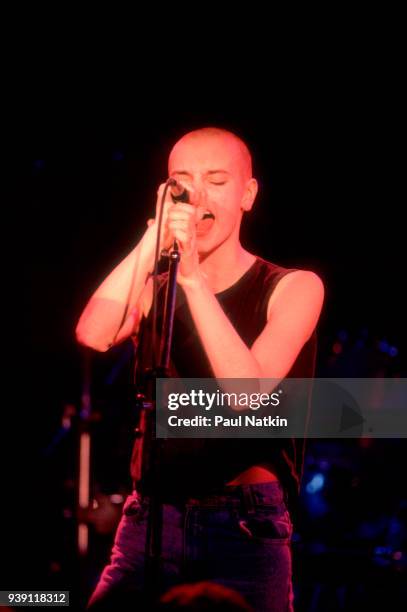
(221, 138)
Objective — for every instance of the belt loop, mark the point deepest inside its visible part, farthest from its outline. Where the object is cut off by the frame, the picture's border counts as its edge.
(248, 499)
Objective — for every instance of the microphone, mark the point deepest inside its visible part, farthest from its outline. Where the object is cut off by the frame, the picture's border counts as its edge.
(178, 191)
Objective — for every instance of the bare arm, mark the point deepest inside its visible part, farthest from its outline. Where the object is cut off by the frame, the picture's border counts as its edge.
(293, 312)
(101, 324)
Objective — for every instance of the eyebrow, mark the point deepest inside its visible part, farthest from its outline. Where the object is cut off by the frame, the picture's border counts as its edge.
(210, 172)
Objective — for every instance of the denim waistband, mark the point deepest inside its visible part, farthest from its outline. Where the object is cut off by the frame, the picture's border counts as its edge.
(249, 496)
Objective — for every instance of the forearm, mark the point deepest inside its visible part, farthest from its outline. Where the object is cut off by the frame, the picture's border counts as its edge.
(228, 355)
(102, 317)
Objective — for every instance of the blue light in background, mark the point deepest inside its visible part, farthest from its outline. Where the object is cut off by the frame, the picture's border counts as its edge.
(384, 346)
(315, 484)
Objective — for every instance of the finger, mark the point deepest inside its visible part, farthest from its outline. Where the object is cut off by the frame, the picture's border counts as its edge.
(192, 214)
(183, 220)
(160, 193)
(187, 208)
(177, 213)
(183, 237)
(160, 190)
(179, 226)
(181, 223)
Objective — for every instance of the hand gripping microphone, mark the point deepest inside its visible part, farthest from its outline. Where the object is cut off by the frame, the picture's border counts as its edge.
(178, 191)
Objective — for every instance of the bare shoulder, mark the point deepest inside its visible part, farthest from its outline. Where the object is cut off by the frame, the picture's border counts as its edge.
(300, 289)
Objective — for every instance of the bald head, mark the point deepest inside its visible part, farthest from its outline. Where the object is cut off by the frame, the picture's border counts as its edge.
(209, 144)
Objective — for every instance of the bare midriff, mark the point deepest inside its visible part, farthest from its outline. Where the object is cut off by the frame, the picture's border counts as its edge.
(253, 475)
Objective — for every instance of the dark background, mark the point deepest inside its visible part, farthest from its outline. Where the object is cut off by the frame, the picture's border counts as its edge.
(85, 165)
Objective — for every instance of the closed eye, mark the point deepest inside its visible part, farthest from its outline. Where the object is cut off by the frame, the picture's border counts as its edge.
(218, 183)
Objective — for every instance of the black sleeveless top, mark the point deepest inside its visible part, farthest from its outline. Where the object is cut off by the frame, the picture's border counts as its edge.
(195, 467)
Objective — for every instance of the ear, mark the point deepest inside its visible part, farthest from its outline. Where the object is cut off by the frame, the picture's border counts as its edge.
(249, 194)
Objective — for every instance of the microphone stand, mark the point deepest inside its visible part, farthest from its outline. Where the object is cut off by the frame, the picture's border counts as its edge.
(148, 449)
(151, 456)
(148, 455)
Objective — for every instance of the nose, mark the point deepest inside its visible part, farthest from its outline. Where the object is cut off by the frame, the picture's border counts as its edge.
(198, 194)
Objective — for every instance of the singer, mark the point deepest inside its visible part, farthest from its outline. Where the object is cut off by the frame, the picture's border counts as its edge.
(228, 503)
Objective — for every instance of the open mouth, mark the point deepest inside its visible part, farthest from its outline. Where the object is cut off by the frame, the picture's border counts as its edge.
(205, 224)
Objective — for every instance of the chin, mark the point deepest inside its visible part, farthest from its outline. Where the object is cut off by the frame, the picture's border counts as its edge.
(203, 242)
(206, 247)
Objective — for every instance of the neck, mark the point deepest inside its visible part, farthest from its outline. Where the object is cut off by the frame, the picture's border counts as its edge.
(224, 266)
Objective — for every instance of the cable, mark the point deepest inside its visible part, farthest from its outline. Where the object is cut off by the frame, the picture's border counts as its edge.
(155, 277)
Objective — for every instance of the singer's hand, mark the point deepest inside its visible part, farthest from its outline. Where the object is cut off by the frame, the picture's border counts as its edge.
(181, 222)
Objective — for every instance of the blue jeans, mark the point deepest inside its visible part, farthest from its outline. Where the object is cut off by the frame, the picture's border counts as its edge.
(240, 539)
